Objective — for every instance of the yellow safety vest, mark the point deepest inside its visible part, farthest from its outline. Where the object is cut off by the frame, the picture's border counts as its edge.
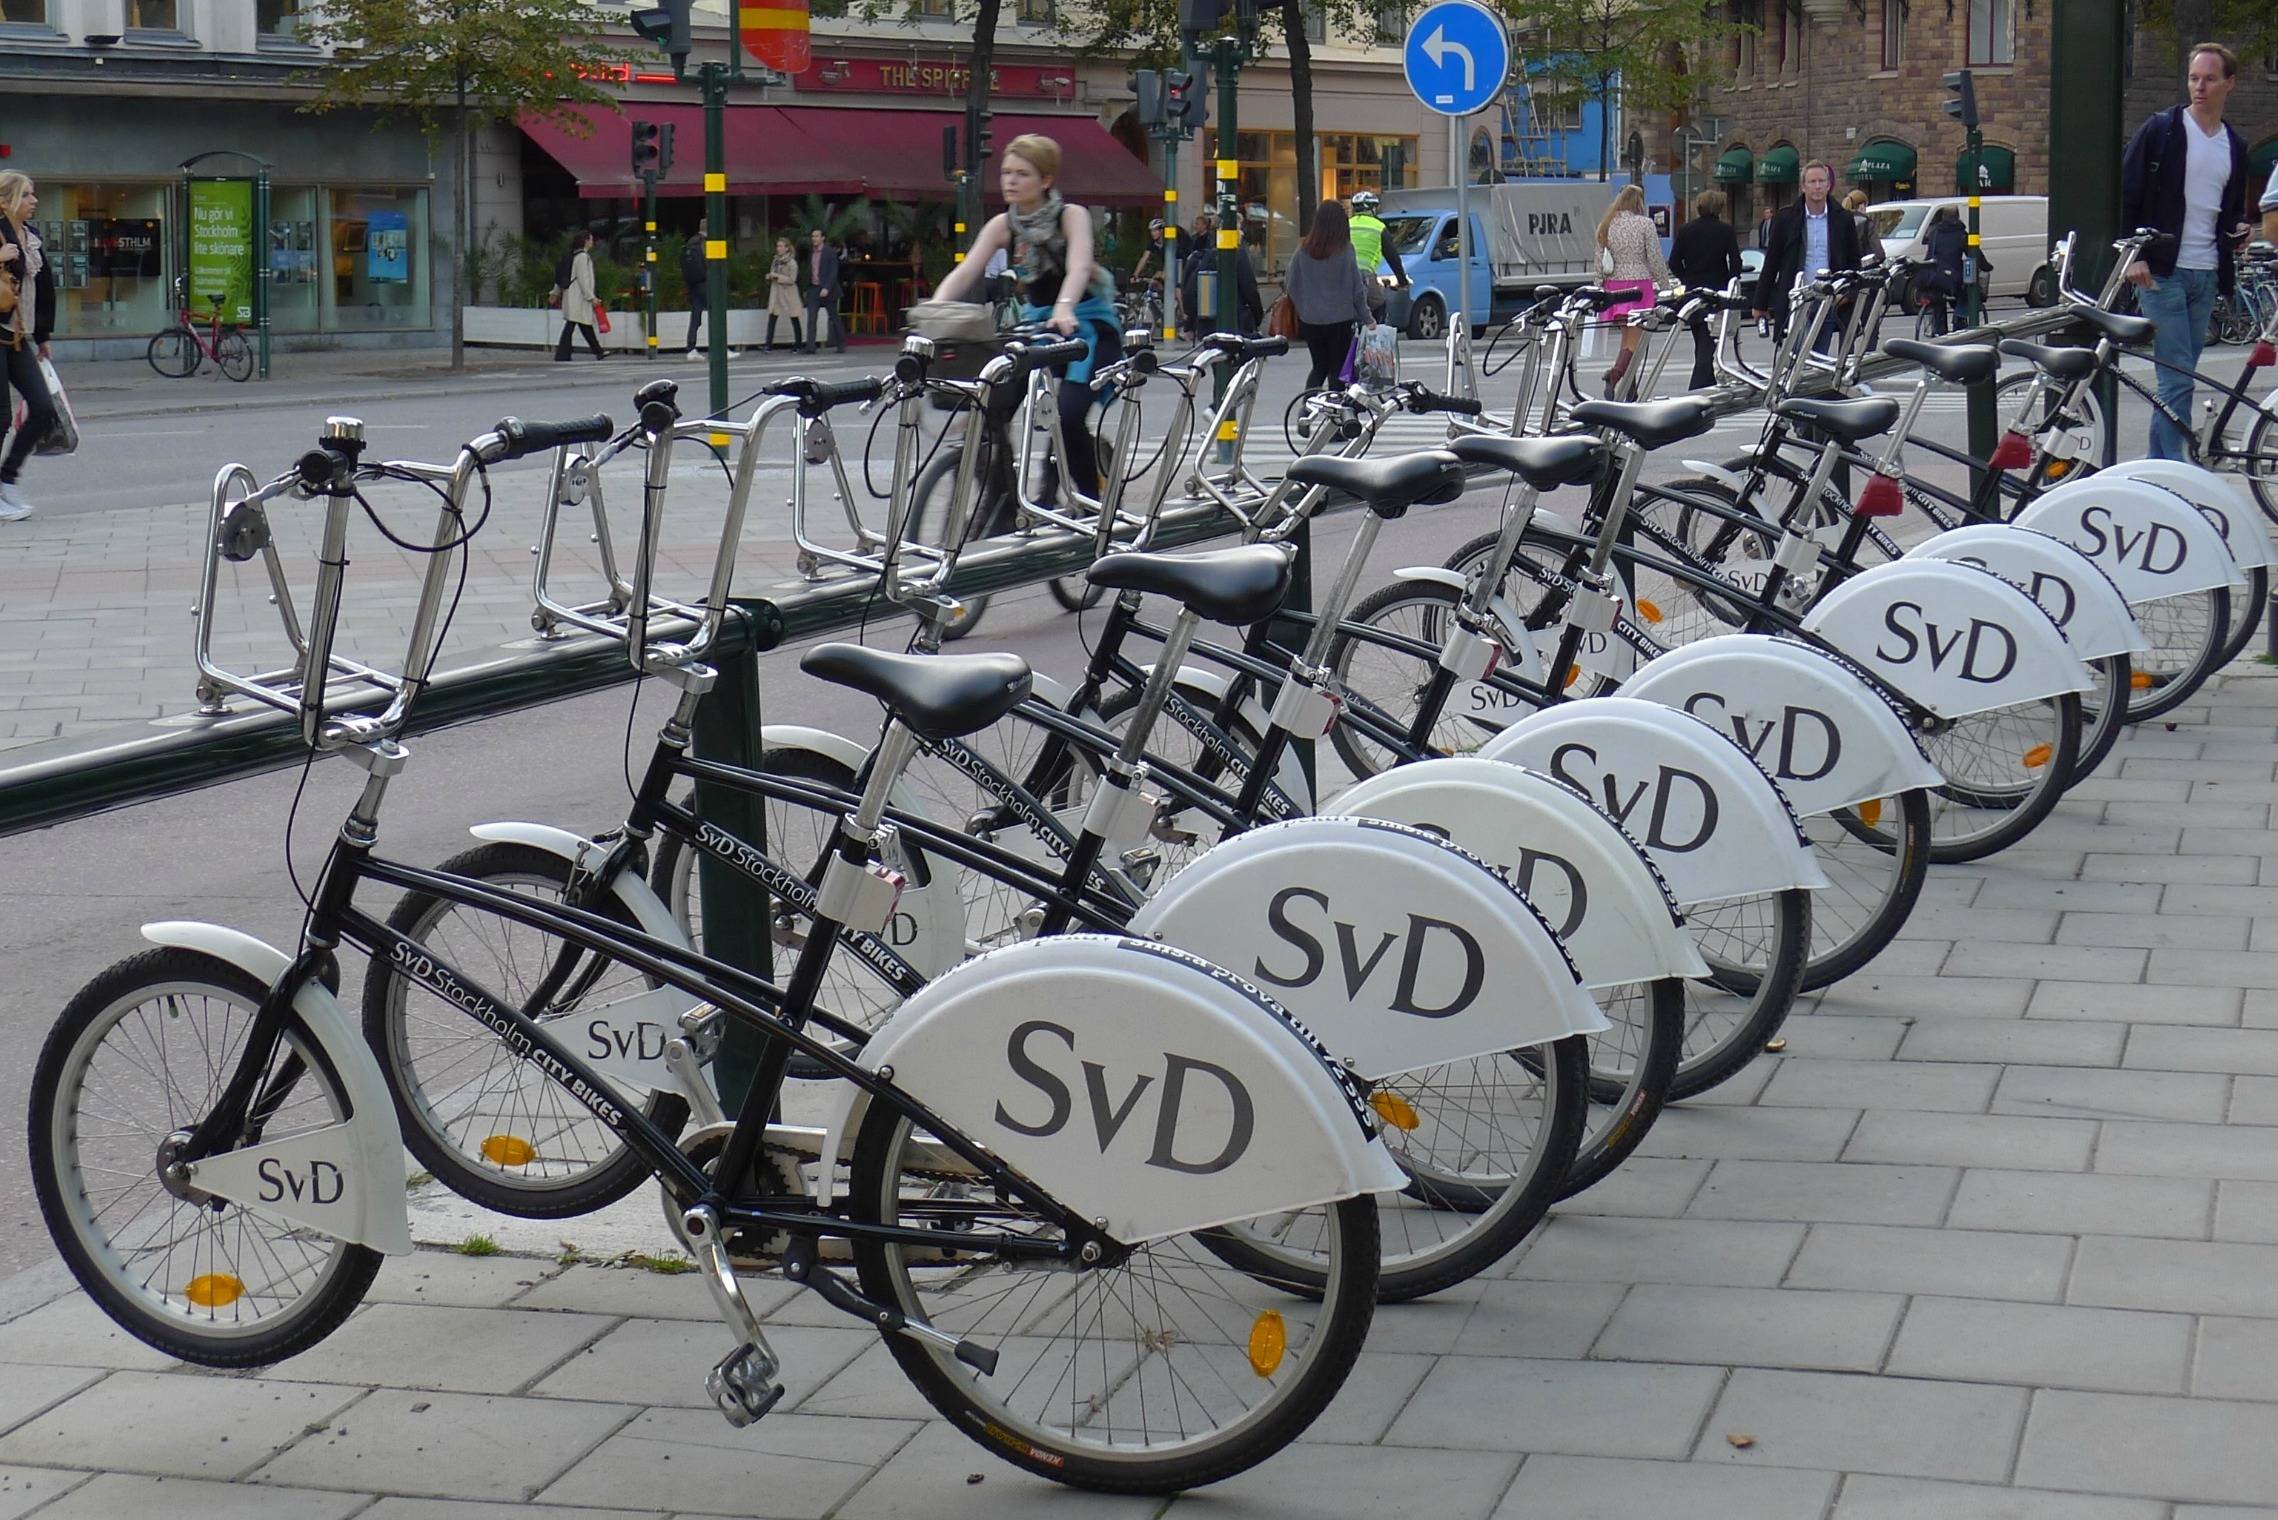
(1368, 243)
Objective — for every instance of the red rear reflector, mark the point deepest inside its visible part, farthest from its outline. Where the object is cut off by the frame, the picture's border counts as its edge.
(2264, 355)
(1880, 497)
(2012, 453)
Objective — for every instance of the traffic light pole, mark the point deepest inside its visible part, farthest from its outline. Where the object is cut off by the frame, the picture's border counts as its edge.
(715, 82)
(649, 254)
(1226, 59)
(2085, 121)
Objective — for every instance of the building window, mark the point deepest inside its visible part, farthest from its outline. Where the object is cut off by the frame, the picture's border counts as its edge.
(934, 10)
(1894, 33)
(1267, 180)
(277, 18)
(1391, 23)
(1749, 14)
(153, 16)
(24, 12)
(377, 248)
(1791, 38)
(1036, 12)
(1316, 25)
(1993, 36)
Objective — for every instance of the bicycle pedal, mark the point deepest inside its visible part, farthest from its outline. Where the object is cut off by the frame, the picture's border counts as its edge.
(744, 1386)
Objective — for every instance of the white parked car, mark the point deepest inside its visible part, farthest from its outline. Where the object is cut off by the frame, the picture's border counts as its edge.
(2013, 229)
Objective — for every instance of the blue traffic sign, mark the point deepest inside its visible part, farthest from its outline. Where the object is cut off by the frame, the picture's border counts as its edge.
(1456, 56)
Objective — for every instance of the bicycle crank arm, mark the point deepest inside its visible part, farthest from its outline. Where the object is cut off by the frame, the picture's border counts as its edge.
(800, 1266)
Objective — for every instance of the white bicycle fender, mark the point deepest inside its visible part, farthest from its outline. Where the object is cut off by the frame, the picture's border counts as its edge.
(2222, 503)
(2150, 541)
(1729, 479)
(343, 1180)
(638, 898)
(1519, 651)
(1954, 638)
(1826, 737)
(1592, 883)
(1289, 776)
(1397, 949)
(1136, 1083)
(1709, 818)
(2078, 596)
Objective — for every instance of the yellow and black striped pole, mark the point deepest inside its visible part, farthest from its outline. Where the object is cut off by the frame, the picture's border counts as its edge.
(715, 80)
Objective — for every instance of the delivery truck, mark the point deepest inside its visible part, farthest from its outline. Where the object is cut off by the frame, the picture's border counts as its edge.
(1524, 234)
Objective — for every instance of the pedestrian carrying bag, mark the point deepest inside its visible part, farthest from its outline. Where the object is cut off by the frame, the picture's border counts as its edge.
(1281, 322)
(601, 319)
(63, 434)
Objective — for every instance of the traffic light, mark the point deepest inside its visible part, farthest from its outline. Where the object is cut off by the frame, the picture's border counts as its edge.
(1199, 18)
(1246, 23)
(645, 149)
(666, 25)
(1186, 101)
(983, 131)
(1964, 103)
(950, 163)
(664, 150)
(1147, 85)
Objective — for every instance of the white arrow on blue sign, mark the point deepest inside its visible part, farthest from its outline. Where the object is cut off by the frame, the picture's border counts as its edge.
(1456, 57)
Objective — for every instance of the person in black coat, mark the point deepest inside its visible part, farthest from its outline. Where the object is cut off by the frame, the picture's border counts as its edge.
(822, 294)
(1940, 283)
(23, 334)
(696, 274)
(1705, 255)
(1793, 229)
(1202, 254)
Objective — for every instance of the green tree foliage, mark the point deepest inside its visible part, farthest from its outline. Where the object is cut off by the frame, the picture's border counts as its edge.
(1638, 52)
(451, 64)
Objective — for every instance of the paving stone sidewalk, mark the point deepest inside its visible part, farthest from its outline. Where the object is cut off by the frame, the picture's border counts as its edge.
(1994, 1237)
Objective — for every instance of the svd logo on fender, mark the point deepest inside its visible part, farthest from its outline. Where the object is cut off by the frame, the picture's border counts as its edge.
(320, 1182)
(1987, 651)
(1684, 812)
(1809, 745)
(2156, 550)
(1359, 966)
(1110, 1113)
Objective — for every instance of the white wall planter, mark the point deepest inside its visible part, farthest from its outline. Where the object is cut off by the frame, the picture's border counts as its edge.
(539, 327)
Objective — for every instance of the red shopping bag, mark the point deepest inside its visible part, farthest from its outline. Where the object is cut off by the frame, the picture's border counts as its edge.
(601, 319)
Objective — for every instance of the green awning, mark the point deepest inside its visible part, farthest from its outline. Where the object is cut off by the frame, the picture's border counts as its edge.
(1997, 174)
(1778, 167)
(1736, 167)
(1882, 162)
(2259, 164)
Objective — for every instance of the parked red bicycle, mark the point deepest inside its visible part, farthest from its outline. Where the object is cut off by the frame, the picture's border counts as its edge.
(177, 351)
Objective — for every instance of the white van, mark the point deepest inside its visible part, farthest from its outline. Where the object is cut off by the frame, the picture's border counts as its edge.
(2013, 229)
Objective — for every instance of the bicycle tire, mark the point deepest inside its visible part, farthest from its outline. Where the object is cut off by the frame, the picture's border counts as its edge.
(1335, 1329)
(2008, 403)
(1527, 583)
(2049, 750)
(572, 1176)
(2256, 601)
(1392, 681)
(2188, 634)
(173, 353)
(1719, 1039)
(1844, 942)
(2102, 720)
(159, 1306)
(2260, 467)
(1625, 1100)
(1076, 593)
(235, 356)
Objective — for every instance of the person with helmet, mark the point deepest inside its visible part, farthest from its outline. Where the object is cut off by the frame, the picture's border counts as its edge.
(1150, 256)
(1370, 250)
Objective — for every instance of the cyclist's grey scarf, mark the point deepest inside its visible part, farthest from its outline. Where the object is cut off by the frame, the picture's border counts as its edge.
(1040, 247)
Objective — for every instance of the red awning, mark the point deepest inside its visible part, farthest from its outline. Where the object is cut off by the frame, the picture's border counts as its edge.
(768, 153)
(795, 150)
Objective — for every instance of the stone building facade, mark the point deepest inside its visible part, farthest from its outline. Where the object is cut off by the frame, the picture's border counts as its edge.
(1859, 83)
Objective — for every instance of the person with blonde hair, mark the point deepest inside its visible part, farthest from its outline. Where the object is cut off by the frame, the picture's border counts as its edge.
(1628, 235)
(23, 333)
(1061, 283)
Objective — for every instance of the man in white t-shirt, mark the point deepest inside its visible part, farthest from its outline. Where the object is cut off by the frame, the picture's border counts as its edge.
(2185, 174)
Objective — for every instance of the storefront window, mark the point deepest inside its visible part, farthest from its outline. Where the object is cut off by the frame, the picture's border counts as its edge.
(111, 249)
(1350, 162)
(293, 256)
(1346, 162)
(376, 250)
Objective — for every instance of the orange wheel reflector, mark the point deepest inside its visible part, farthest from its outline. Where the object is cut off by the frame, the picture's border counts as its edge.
(1573, 675)
(215, 1290)
(1648, 611)
(2038, 756)
(2059, 468)
(1269, 1342)
(1394, 1109)
(508, 1150)
(2139, 680)
(1871, 813)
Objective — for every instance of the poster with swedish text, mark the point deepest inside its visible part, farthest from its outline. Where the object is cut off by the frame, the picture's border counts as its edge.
(221, 248)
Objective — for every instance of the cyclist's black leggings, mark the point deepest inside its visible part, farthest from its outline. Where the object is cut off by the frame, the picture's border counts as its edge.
(1077, 404)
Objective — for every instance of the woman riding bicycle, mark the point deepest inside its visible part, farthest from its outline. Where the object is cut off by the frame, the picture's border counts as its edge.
(1060, 283)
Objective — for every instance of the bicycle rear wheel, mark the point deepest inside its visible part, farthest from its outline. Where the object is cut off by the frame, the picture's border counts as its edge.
(140, 1053)
(235, 356)
(173, 353)
(2005, 770)
(2187, 635)
(1755, 948)
(1159, 1369)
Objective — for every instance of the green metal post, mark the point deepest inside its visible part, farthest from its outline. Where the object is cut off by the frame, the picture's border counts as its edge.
(1170, 333)
(715, 77)
(649, 254)
(262, 253)
(1226, 59)
(2087, 128)
(1984, 421)
(736, 914)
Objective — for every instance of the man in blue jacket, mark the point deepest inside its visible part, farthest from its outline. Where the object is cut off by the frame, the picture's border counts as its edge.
(2185, 174)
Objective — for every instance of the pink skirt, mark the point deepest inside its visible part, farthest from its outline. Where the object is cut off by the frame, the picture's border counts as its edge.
(1640, 291)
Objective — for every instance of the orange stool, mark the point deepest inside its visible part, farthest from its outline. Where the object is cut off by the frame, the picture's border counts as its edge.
(868, 312)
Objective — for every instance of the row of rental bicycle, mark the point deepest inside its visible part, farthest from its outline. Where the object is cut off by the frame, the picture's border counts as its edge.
(1111, 1060)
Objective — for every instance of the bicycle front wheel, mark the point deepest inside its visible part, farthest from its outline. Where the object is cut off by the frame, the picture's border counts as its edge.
(1156, 1370)
(173, 353)
(141, 1053)
(496, 1129)
(929, 525)
(235, 356)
